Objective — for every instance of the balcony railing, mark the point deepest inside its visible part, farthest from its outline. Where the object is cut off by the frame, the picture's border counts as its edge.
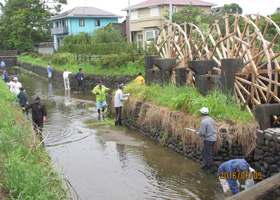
(59, 30)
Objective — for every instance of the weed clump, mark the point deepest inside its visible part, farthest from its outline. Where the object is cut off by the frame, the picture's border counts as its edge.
(26, 169)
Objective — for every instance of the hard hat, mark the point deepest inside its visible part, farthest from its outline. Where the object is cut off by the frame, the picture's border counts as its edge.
(121, 86)
(204, 111)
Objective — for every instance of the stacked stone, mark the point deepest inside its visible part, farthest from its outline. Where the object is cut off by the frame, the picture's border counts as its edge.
(225, 153)
(267, 152)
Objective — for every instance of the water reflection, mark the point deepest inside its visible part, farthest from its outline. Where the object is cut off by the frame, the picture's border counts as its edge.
(50, 89)
(67, 98)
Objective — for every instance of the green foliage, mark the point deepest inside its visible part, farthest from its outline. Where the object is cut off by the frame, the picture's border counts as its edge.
(104, 48)
(221, 106)
(228, 8)
(108, 34)
(111, 64)
(81, 38)
(188, 13)
(24, 22)
(24, 177)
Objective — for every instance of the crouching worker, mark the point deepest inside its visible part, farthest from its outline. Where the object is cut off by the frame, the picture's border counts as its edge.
(39, 114)
(229, 173)
(100, 91)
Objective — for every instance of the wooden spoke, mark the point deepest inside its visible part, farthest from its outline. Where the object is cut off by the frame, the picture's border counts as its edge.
(232, 36)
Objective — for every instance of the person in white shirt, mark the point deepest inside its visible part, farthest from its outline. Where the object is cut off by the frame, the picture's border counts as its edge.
(14, 86)
(119, 97)
(66, 79)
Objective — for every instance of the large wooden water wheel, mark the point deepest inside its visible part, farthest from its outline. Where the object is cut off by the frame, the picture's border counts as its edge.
(232, 36)
(183, 42)
(237, 36)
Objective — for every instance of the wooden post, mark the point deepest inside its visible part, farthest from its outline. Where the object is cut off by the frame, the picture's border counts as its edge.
(89, 58)
(99, 57)
(77, 57)
(259, 190)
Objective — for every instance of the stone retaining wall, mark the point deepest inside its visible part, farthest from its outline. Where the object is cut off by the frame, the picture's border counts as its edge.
(90, 80)
(264, 158)
(225, 152)
(267, 152)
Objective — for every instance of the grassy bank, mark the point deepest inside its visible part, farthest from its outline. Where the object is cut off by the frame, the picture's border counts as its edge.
(221, 107)
(111, 64)
(26, 169)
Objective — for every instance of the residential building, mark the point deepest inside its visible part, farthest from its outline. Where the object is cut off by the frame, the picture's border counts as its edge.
(147, 17)
(80, 19)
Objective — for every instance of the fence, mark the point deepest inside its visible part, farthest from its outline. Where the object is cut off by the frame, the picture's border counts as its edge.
(89, 58)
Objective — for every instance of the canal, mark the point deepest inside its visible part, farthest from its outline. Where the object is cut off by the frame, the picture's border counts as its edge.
(112, 164)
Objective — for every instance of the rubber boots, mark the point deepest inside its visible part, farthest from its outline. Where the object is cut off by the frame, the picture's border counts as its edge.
(213, 169)
(98, 111)
(203, 165)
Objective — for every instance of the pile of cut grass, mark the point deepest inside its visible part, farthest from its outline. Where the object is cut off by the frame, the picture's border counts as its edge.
(26, 171)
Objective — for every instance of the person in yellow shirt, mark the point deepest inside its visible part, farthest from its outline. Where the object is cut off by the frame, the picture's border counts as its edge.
(140, 78)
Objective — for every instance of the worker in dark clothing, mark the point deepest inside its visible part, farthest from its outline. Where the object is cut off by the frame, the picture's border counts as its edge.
(23, 100)
(208, 132)
(80, 77)
(39, 114)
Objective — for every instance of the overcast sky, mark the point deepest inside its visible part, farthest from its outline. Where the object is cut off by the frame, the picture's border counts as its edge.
(263, 7)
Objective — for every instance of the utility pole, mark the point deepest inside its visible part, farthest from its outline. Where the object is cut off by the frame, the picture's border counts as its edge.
(170, 11)
(129, 21)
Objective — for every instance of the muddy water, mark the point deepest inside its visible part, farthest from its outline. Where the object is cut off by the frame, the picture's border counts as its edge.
(117, 164)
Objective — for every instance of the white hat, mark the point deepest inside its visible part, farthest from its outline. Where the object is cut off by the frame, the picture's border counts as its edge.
(204, 111)
(15, 78)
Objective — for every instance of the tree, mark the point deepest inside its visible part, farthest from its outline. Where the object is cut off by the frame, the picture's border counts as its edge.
(81, 38)
(228, 8)
(23, 22)
(108, 34)
(188, 13)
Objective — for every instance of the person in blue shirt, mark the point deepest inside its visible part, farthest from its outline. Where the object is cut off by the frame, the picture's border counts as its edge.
(5, 77)
(226, 172)
(80, 77)
(2, 64)
(49, 69)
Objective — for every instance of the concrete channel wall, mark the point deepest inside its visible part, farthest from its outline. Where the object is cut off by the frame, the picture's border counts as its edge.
(90, 80)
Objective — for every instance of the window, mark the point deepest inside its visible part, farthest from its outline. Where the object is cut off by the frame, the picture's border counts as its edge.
(151, 35)
(134, 15)
(174, 9)
(139, 37)
(97, 22)
(64, 23)
(154, 11)
(82, 22)
(57, 24)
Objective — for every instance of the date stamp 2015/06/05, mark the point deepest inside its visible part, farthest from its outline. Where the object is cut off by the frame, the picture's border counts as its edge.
(242, 175)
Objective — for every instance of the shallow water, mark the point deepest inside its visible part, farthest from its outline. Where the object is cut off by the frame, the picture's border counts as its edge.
(117, 164)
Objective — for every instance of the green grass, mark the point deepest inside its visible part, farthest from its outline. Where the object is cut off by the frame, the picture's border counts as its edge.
(129, 69)
(221, 107)
(24, 177)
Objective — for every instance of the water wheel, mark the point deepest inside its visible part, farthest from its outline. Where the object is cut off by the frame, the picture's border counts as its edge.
(237, 36)
(183, 42)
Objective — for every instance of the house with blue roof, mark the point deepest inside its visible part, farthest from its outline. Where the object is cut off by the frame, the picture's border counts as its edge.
(80, 19)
